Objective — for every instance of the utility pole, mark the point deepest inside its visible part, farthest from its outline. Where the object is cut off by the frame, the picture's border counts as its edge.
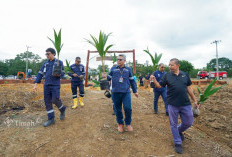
(216, 42)
(27, 60)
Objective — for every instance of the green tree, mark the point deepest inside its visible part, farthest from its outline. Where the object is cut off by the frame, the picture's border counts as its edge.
(224, 64)
(186, 66)
(3, 68)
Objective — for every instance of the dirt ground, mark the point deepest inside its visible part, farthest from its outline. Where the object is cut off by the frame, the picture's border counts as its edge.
(92, 130)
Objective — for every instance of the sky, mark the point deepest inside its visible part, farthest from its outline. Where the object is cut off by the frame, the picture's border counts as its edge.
(180, 29)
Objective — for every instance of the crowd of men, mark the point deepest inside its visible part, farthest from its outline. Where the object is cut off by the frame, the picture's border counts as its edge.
(173, 86)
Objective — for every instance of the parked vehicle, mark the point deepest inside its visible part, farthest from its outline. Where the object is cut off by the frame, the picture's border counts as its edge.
(211, 74)
(10, 77)
(1, 77)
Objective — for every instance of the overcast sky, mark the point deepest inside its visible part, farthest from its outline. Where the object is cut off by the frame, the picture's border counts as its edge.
(182, 29)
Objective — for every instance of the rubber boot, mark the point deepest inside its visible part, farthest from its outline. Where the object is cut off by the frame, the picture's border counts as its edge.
(81, 101)
(75, 103)
(49, 122)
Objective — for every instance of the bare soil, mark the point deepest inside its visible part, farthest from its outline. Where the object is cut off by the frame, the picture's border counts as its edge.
(92, 130)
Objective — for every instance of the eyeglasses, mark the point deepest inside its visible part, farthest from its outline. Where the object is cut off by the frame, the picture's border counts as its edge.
(47, 54)
(120, 59)
(162, 67)
(78, 61)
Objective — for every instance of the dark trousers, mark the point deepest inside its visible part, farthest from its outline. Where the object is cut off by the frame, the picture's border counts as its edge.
(52, 96)
(74, 86)
(156, 98)
(186, 116)
(125, 99)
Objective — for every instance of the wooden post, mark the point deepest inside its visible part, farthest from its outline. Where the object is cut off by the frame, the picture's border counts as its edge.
(87, 68)
(134, 65)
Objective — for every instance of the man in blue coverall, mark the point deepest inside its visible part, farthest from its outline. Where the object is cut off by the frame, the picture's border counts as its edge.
(160, 91)
(51, 87)
(77, 81)
(122, 78)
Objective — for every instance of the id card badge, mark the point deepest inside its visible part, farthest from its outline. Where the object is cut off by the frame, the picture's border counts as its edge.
(121, 80)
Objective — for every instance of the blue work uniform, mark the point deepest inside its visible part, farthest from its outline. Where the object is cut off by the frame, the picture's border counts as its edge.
(76, 81)
(51, 87)
(160, 91)
(122, 79)
(141, 80)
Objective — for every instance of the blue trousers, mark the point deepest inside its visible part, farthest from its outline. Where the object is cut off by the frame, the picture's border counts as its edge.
(52, 96)
(125, 99)
(74, 86)
(186, 116)
(156, 98)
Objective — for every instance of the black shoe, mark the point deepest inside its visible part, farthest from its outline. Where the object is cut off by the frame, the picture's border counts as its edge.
(181, 136)
(167, 114)
(49, 122)
(178, 148)
(156, 112)
(113, 113)
(62, 115)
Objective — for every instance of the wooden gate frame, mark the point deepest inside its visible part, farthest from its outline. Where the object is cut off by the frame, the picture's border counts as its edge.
(87, 62)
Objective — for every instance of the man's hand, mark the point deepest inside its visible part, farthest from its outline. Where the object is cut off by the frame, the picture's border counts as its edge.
(136, 94)
(81, 77)
(197, 105)
(75, 75)
(35, 87)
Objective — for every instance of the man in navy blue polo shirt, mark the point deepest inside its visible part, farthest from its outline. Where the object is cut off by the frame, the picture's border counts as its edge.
(122, 79)
(160, 91)
(51, 86)
(178, 87)
(78, 76)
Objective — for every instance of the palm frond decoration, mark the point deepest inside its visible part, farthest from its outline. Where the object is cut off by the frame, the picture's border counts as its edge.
(100, 45)
(155, 60)
(57, 43)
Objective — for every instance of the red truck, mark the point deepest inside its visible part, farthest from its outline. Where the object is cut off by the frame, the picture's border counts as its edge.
(211, 74)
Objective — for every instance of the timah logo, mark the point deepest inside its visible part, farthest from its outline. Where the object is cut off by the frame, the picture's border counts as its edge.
(8, 122)
(22, 123)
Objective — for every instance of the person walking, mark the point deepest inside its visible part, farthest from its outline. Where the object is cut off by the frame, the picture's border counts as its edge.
(78, 76)
(122, 79)
(51, 87)
(178, 87)
(160, 91)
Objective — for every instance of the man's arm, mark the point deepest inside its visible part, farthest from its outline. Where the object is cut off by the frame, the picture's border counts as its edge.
(190, 92)
(155, 81)
(62, 70)
(39, 77)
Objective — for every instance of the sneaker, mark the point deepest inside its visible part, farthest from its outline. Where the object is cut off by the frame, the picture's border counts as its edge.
(178, 148)
(62, 115)
(120, 128)
(155, 112)
(49, 122)
(167, 114)
(129, 128)
(181, 136)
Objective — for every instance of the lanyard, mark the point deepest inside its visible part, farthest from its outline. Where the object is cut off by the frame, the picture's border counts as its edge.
(121, 72)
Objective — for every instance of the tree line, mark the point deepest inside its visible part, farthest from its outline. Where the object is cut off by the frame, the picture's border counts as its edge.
(13, 66)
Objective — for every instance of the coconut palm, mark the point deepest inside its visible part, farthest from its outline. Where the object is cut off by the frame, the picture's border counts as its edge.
(208, 92)
(114, 58)
(155, 60)
(100, 45)
(68, 68)
(204, 96)
(57, 43)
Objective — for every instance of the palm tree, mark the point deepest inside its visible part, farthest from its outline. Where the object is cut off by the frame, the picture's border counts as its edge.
(57, 44)
(100, 45)
(155, 60)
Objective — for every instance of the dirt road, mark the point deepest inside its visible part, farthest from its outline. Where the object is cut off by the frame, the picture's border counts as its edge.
(92, 131)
